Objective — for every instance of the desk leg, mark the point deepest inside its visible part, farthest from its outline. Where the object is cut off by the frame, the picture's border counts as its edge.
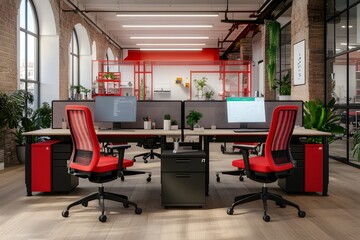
(325, 167)
(207, 163)
(28, 165)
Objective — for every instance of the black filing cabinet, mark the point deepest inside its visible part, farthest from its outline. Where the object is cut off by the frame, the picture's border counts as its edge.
(295, 182)
(62, 181)
(183, 178)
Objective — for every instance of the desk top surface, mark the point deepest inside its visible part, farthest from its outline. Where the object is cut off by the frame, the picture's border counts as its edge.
(160, 132)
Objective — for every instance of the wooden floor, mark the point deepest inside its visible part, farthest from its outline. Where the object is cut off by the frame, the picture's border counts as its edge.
(336, 216)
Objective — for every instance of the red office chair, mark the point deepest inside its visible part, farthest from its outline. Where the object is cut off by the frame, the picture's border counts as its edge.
(86, 161)
(276, 163)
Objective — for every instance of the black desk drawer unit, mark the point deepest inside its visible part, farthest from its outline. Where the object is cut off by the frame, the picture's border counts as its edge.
(295, 182)
(183, 178)
(62, 181)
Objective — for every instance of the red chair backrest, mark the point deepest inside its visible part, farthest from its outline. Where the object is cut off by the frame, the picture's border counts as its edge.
(277, 146)
(86, 150)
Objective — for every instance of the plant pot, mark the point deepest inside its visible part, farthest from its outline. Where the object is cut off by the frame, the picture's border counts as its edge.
(20, 153)
(147, 125)
(284, 97)
(167, 125)
(174, 127)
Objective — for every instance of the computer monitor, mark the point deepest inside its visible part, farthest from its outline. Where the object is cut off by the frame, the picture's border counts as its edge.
(116, 109)
(245, 110)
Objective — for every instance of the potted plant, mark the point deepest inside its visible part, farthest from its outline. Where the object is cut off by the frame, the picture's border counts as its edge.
(323, 118)
(199, 85)
(209, 95)
(167, 121)
(85, 91)
(284, 86)
(193, 118)
(147, 122)
(174, 125)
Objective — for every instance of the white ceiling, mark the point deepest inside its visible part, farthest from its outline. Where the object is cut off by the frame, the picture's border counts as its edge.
(103, 13)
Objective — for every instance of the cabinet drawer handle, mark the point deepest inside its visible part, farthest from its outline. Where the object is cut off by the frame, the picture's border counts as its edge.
(182, 160)
(183, 176)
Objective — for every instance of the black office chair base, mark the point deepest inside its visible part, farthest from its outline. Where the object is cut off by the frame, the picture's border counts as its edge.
(264, 195)
(239, 172)
(129, 173)
(147, 155)
(101, 195)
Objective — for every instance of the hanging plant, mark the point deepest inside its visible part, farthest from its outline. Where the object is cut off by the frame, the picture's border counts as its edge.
(273, 28)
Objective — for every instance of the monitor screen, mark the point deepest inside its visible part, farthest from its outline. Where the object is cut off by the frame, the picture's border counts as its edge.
(245, 109)
(115, 109)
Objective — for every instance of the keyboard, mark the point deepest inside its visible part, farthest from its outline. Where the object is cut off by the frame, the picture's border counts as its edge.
(251, 130)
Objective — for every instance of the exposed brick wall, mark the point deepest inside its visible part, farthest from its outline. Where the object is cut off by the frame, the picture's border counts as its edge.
(8, 35)
(307, 23)
(65, 23)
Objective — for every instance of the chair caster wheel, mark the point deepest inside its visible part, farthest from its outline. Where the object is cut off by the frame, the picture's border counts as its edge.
(145, 161)
(122, 178)
(102, 218)
(230, 211)
(301, 214)
(134, 160)
(125, 205)
(148, 179)
(266, 218)
(85, 204)
(65, 213)
(138, 210)
(217, 178)
(241, 178)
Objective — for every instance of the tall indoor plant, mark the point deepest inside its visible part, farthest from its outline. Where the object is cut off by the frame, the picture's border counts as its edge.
(273, 28)
(193, 118)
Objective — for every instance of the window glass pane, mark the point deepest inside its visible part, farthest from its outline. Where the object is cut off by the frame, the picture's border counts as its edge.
(354, 21)
(75, 44)
(354, 77)
(22, 55)
(354, 127)
(31, 19)
(31, 57)
(341, 34)
(76, 70)
(340, 5)
(338, 149)
(351, 2)
(22, 14)
(34, 89)
(337, 77)
(330, 8)
(22, 85)
(330, 39)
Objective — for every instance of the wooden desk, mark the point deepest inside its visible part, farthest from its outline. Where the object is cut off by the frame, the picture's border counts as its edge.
(206, 137)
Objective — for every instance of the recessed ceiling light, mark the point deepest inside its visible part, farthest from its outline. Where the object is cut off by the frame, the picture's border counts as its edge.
(170, 49)
(167, 26)
(169, 37)
(170, 44)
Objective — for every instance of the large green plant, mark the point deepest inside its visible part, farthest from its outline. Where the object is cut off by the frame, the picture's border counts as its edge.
(323, 118)
(284, 85)
(193, 118)
(273, 28)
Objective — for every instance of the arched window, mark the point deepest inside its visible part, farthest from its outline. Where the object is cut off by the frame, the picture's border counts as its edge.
(29, 50)
(74, 71)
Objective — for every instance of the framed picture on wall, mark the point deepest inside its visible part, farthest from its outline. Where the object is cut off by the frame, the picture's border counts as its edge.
(299, 63)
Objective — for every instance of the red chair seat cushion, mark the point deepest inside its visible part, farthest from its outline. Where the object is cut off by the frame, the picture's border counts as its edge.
(257, 164)
(109, 163)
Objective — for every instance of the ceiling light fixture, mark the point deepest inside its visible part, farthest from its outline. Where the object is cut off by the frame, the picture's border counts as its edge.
(170, 44)
(166, 15)
(167, 26)
(168, 38)
(170, 49)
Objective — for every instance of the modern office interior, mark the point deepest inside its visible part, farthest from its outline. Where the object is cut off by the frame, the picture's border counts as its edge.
(121, 80)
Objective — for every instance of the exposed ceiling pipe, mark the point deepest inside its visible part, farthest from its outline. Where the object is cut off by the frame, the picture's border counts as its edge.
(77, 10)
(169, 11)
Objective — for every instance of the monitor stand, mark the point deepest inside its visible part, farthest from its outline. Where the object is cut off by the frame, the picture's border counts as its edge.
(243, 125)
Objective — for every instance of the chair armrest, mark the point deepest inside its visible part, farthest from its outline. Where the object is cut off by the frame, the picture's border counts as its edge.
(246, 146)
(119, 146)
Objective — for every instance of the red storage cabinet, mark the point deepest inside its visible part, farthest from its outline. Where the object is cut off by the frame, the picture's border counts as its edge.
(313, 168)
(41, 166)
